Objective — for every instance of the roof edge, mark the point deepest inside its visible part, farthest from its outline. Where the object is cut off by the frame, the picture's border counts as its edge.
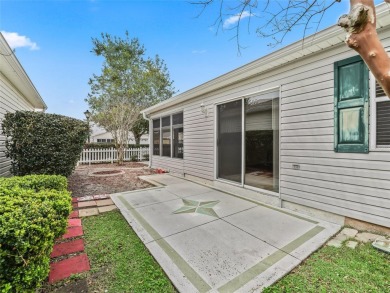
(27, 88)
(302, 48)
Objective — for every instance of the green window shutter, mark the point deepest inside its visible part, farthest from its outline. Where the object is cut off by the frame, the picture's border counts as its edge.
(351, 106)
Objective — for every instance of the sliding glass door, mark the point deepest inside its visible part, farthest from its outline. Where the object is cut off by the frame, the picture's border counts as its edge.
(255, 162)
(262, 143)
(229, 141)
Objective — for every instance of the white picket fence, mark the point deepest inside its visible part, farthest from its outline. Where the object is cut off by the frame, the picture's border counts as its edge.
(110, 155)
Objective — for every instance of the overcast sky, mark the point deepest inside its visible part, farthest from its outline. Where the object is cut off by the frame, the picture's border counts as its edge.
(52, 39)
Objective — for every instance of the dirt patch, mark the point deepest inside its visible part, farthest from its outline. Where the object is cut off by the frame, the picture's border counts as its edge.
(81, 183)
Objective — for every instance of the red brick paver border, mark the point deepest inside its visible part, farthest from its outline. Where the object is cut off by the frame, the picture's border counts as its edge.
(74, 214)
(73, 232)
(65, 248)
(67, 267)
(74, 223)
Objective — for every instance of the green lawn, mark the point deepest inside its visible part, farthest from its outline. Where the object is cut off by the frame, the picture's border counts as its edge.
(339, 270)
(119, 260)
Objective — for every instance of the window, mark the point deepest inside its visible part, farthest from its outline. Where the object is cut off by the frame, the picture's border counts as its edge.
(351, 106)
(177, 132)
(380, 112)
(168, 136)
(156, 137)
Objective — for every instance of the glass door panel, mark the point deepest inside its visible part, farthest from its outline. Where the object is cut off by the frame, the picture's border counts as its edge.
(229, 141)
(262, 143)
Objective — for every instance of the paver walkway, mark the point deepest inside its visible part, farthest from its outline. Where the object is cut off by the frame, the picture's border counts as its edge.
(68, 255)
(69, 249)
(207, 240)
(355, 237)
(93, 205)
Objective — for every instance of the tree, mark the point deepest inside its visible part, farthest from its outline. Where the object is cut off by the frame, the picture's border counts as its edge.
(281, 17)
(128, 83)
(140, 127)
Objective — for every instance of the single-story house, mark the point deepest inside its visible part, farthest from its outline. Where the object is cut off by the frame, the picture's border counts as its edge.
(100, 135)
(305, 128)
(17, 92)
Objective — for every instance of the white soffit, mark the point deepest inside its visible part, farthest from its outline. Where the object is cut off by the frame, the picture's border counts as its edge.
(11, 68)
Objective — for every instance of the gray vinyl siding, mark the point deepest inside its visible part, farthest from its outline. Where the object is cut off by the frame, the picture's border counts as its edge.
(351, 185)
(11, 100)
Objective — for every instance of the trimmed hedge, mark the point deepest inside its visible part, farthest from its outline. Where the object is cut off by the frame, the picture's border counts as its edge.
(34, 211)
(35, 182)
(40, 143)
(95, 145)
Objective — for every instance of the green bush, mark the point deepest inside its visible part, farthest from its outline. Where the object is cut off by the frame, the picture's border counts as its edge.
(40, 143)
(31, 218)
(35, 182)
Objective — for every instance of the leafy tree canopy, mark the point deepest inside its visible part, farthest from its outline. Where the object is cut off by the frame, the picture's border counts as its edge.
(129, 82)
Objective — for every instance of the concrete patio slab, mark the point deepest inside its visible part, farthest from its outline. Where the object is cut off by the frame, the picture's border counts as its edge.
(166, 179)
(210, 241)
(149, 197)
(187, 188)
(258, 221)
(227, 205)
(230, 254)
(160, 216)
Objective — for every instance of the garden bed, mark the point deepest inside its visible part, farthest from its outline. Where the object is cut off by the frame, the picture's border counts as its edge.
(81, 183)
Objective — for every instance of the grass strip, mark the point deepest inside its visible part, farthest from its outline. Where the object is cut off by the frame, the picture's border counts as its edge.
(331, 269)
(119, 260)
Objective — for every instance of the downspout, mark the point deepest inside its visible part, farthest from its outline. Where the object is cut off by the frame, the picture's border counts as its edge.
(150, 139)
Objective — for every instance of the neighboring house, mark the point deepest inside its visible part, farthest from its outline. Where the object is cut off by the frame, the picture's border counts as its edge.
(304, 128)
(17, 92)
(100, 135)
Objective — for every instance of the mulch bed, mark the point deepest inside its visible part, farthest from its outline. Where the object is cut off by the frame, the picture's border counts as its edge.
(81, 183)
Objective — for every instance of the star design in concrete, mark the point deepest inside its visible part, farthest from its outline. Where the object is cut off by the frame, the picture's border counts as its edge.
(200, 207)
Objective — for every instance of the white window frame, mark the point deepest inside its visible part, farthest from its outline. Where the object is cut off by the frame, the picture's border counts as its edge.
(373, 106)
(163, 115)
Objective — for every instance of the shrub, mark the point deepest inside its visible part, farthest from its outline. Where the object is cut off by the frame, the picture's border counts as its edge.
(146, 157)
(35, 182)
(40, 143)
(31, 218)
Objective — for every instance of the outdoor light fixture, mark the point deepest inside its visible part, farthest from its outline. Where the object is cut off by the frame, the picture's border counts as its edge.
(203, 109)
(88, 115)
